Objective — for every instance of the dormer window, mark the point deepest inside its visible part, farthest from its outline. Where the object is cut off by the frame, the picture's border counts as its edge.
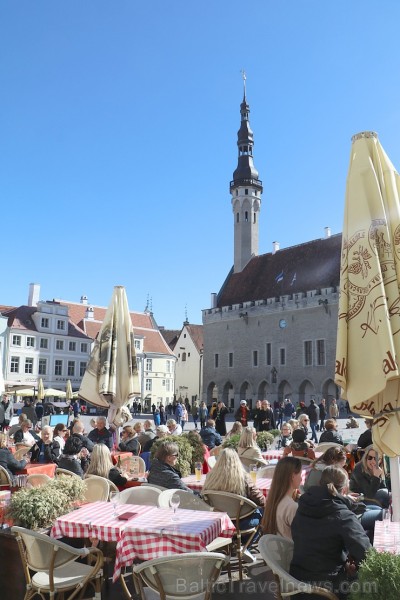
(61, 325)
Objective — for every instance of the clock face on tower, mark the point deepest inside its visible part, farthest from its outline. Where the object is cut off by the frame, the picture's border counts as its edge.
(282, 323)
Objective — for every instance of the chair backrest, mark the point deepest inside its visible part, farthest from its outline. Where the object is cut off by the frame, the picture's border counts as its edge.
(147, 496)
(21, 451)
(277, 552)
(134, 464)
(113, 487)
(41, 548)
(188, 500)
(237, 507)
(325, 445)
(266, 472)
(181, 576)
(211, 460)
(153, 485)
(5, 478)
(38, 479)
(65, 472)
(96, 488)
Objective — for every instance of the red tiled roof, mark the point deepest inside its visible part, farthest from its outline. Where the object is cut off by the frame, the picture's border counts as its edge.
(305, 267)
(196, 333)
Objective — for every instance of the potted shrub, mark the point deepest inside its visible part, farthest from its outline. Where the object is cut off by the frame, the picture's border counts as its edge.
(378, 577)
(232, 441)
(265, 439)
(198, 448)
(38, 507)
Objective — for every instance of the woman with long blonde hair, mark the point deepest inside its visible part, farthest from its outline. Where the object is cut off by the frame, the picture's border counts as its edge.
(280, 507)
(228, 475)
(101, 465)
(248, 447)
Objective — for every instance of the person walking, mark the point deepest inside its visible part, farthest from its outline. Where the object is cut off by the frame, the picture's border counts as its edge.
(195, 413)
(185, 416)
(333, 409)
(203, 414)
(322, 414)
(220, 424)
(313, 413)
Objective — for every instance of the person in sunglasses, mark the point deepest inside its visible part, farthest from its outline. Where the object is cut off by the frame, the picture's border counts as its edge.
(163, 470)
(368, 478)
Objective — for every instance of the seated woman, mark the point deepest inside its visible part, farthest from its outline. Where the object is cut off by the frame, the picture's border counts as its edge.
(368, 479)
(304, 422)
(49, 449)
(334, 456)
(60, 435)
(228, 475)
(286, 435)
(299, 446)
(129, 441)
(326, 532)
(7, 459)
(102, 465)
(27, 437)
(74, 457)
(237, 428)
(331, 434)
(280, 506)
(163, 471)
(248, 447)
(365, 438)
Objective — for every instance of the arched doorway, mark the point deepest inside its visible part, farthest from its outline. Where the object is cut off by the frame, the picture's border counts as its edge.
(212, 393)
(306, 392)
(228, 395)
(284, 390)
(330, 390)
(263, 390)
(246, 393)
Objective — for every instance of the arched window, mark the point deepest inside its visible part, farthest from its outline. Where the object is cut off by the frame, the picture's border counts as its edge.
(183, 356)
(246, 216)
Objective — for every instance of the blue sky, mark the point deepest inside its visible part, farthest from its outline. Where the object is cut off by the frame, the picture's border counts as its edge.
(118, 124)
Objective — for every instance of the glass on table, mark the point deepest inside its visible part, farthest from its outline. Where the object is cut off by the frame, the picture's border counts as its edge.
(386, 520)
(198, 467)
(174, 503)
(114, 497)
(253, 473)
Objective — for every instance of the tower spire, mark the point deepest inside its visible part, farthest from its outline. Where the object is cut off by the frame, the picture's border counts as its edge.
(246, 189)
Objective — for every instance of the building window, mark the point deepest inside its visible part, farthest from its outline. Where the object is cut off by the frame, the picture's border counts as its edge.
(59, 345)
(282, 356)
(61, 325)
(137, 344)
(71, 368)
(72, 346)
(45, 322)
(246, 192)
(16, 340)
(28, 365)
(148, 385)
(246, 216)
(149, 364)
(82, 368)
(44, 343)
(42, 366)
(237, 217)
(58, 365)
(321, 353)
(183, 356)
(255, 358)
(14, 367)
(167, 385)
(268, 354)
(216, 360)
(230, 359)
(308, 353)
(30, 341)
(84, 347)
(168, 366)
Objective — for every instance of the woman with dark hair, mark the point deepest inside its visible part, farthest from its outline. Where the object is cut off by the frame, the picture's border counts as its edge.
(163, 471)
(368, 479)
(129, 440)
(74, 457)
(280, 507)
(299, 446)
(335, 456)
(331, 433)
(326, 533)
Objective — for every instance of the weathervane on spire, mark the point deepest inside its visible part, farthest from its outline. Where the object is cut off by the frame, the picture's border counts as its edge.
(243, 72)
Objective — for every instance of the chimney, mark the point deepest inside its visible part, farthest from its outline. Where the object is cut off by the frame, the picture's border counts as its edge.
(34, 294)
(275, 247)
(89, 314)
(327, 232)
(213, 300)
(84, 300)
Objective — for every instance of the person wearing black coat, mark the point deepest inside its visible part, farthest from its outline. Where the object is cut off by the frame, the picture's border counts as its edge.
(368, 478)
(75, 457)
(266, 419)
(163, 471)
(7, 459)
(365, 438)
(331, 434)
(220, 424)
(326, 532)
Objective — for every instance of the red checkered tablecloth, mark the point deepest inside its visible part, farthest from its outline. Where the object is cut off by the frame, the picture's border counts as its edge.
(95, 520)
(387, 540)
(155, 534)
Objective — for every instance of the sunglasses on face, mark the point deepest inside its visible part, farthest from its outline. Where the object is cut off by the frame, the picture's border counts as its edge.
(175, 455)
(370, 457)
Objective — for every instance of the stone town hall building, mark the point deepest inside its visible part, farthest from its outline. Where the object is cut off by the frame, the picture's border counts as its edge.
(271, 331)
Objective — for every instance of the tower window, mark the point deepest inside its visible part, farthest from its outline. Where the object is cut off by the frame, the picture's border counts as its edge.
(246, 192)
(254, 218)
(246, 216)
(237, 217)
(237, 193)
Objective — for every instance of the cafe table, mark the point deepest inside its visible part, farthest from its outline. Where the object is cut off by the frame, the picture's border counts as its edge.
(116, 454)
(387, 536)
(148, 533)
(35, 468)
